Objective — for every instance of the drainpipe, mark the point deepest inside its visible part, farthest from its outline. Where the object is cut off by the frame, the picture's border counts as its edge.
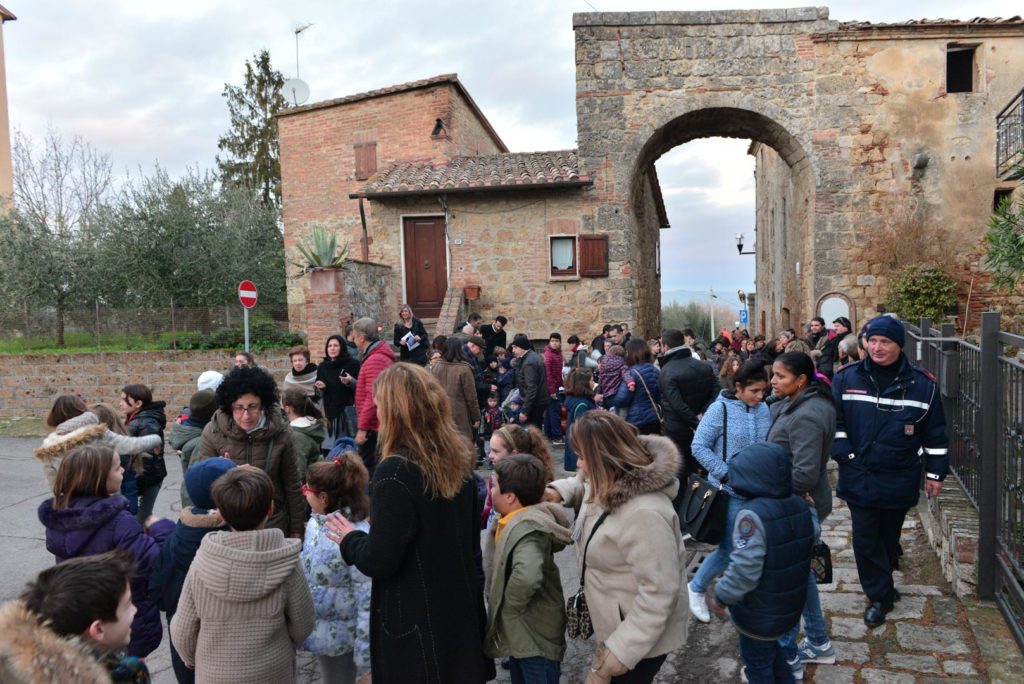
(366, 239)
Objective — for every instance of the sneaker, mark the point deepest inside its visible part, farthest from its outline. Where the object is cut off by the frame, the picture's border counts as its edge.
(558, 441)
(699, 605)
(823, 655)
(797, 666)
(743, 675)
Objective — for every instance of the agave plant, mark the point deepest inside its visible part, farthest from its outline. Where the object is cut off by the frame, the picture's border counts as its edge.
(320, 249)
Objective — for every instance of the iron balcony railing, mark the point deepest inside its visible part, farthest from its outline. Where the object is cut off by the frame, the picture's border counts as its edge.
(1010, 138)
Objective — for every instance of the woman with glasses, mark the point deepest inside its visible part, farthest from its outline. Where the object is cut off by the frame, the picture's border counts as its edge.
(250, 428)
(737, 419)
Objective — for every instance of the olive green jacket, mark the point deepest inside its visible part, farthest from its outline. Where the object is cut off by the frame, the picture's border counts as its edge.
(526, 616)
(307, 436)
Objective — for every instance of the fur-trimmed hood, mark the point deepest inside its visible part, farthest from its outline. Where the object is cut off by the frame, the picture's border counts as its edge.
(31, 653)
(660, 475)
(83, 429)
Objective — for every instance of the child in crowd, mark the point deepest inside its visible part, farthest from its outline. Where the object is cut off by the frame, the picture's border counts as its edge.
(512, 407)
(514, 439)
(765, 586)
(245, 606)
(612, 371)
(72, 624)
(87, 515)
(179, 550)
(186, 433)
(308, 427)
(491, 371)
(341, 594)
(490, 420)
(579, 398)
(526, 618)
(132, 463)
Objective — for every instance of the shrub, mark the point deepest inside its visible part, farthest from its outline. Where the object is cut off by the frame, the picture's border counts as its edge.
(918, 291)
(262, 335)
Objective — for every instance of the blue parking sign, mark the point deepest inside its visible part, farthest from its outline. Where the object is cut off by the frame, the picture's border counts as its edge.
(743, 317)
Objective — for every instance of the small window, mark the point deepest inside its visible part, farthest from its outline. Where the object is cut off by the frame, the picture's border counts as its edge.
(366, 159)
(594, 256)
(1001, 195)
(440, 130)
(563, 255)
(960, 69)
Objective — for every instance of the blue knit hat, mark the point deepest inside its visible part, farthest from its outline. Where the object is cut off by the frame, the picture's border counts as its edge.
(886, 326)
(201, 476)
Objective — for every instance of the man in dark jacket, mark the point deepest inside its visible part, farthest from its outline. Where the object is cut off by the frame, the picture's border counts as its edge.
(494, 335)
(889, 414)
(687, 386)
(531, 379)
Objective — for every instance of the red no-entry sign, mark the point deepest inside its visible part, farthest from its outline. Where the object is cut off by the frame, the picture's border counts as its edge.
(247, 294)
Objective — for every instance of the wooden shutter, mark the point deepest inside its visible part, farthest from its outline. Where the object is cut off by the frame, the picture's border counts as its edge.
(366, 159)
(594, 256)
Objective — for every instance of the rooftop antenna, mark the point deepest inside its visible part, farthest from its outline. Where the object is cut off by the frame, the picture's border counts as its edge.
(295, 89)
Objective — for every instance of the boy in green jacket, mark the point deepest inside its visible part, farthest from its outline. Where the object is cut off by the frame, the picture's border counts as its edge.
(526, 619)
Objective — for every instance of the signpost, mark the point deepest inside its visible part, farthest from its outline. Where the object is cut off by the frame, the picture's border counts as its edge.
(247, 295)
(743, 317)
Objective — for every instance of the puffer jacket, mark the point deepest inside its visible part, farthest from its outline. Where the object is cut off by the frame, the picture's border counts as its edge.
(307, 436)
(341, 596)
(32, 653)
(92, 525)
(805, 428)
(185, 438)
(687, 387)
(746, 426)
(150, 420)
(377, 358)
(635, 569)
(553, 363)
(86, 429)
(268, 448)
(640, 409)
(177, 553)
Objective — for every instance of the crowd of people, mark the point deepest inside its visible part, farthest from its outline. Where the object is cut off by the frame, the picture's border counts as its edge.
(398, 514)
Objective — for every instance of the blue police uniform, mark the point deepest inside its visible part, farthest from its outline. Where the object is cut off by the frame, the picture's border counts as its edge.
(882, 434)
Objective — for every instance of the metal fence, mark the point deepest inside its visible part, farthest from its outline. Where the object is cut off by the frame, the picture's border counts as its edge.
(982, 389)
(1010, 136)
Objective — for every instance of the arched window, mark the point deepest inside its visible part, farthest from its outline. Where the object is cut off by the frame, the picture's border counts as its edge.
(832, 305)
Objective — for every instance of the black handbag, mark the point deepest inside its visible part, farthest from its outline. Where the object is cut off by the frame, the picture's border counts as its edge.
(704, 510)
(821, 563)
(577, 614)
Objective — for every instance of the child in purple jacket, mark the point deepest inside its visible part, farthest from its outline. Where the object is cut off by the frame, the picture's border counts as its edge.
(87, 515)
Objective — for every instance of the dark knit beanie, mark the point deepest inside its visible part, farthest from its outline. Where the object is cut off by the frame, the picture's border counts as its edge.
(522, 341)
(201, 476)
(886, 326)
(202, 404)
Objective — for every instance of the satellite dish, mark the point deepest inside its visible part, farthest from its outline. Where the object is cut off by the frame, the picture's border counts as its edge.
(296, 91)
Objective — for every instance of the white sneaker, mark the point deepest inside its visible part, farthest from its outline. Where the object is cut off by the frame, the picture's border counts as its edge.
(698, 605)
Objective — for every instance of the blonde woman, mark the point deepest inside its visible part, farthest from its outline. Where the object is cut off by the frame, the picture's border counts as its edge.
(628, 530)
(427, 609)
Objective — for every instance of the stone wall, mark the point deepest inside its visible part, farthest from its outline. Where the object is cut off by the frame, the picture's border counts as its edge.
(336, 296)
(951, 523)
(29, 383)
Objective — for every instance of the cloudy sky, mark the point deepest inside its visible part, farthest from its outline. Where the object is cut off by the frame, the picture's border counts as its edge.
(143, 81)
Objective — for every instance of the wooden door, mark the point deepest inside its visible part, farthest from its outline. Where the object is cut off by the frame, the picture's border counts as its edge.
(426, 265)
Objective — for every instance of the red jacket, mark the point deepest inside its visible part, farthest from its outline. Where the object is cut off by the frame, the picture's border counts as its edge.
(378, 358)
(553, 363)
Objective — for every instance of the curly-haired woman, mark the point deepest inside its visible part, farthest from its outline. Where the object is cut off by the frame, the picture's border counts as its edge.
(250, 428)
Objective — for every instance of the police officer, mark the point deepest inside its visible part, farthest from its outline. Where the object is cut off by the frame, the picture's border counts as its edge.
(889, 418)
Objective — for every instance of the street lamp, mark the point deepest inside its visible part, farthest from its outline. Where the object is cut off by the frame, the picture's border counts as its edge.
(739, 245)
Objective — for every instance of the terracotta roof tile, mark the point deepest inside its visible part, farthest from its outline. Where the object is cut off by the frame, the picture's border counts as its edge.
(481, 173)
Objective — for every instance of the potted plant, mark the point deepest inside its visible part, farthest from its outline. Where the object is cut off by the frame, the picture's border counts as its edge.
(472, 292)
(320, 255)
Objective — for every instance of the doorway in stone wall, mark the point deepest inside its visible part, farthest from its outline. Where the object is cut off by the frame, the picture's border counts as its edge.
(425, 262)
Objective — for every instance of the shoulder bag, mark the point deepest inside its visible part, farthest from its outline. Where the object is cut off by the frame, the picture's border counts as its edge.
(577, 614)
(704, 510)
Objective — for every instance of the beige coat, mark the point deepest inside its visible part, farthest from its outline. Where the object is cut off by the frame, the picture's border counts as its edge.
(635, 582)
(458, 383)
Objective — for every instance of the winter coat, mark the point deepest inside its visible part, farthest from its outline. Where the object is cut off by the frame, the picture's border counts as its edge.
(574, 408)
(32, 653)
(493, 338)
(307, 436)
(640, 409)
(377, 358)
(268, 448)
(483, 386)
(427, 615)
(610, 370)
(336, 394)
(92, 525)
(635, 562)
(457, 380)
(687, 387)
(746, 426)
(177, 554)
(303, 380)
(341, 596)
(185, 438)
(553, 363)
(419, 354)
(805, 428)
(531, 379)
(880, 437)
(827, 354)
(765, 585)
(150, 420)
(86, 429)
(244, 609)
(526, 615)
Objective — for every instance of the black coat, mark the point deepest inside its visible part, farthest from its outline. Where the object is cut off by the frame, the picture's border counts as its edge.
(427, 614)
(150, 420)
(532, 381)
(493, 338)
(419, 354)
(687, 386)
(336, 394)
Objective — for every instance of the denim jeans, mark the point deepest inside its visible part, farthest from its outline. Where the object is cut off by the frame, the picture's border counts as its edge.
(814, 622)
(553, 419)
(764, 661)
(715, 564)
(535, 670)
